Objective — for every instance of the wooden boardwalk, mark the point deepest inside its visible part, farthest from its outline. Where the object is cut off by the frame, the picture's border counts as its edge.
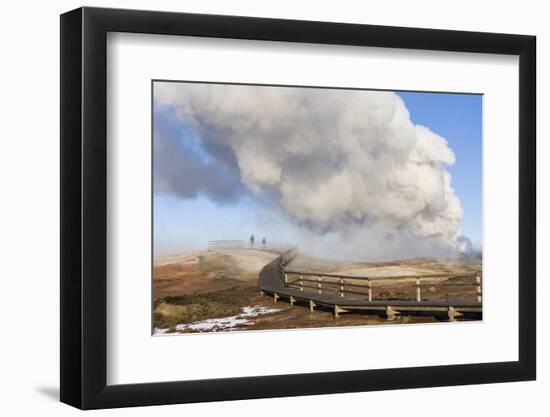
(273, 281)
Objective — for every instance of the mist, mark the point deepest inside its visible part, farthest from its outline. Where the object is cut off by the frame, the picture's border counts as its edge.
(341, 169)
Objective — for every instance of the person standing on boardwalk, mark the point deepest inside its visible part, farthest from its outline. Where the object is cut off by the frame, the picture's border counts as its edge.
(251, 241)
(264, 243)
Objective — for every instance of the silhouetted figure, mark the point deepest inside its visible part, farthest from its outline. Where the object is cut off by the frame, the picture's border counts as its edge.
(264, 242)
(251, 241)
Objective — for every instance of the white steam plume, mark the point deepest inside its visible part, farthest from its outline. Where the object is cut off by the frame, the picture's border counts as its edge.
(331, 159)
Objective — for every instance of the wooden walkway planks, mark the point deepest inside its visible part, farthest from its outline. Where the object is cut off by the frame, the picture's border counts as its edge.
(272, 283)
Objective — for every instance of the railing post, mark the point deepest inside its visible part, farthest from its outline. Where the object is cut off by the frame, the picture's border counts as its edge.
(301, 283)
(390, 313)
(341, 287)
(286, 279)
(418, 297)
(478, 283)
(319, 284)
(453, 313)
(370, 289)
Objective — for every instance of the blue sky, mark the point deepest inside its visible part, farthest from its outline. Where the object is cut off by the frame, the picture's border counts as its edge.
(190, 222)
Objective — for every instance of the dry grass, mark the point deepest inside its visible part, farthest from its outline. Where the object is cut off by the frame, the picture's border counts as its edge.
(216, 284)
(170, 311)
(208, 271)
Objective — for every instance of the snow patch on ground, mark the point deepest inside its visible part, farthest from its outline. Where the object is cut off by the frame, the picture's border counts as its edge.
(223, 324)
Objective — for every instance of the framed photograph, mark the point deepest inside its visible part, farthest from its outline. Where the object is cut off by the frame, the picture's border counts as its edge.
(257, 207)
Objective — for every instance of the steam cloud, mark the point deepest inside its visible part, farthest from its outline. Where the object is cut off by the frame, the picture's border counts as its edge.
(334, 161)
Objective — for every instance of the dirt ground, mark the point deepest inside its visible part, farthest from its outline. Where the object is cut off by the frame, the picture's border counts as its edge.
(208, 271)
(197, 287)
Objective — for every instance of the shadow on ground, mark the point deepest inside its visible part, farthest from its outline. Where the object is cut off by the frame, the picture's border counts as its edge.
(50, 392)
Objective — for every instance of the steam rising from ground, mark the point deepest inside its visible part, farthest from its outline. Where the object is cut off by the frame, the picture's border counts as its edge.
(350, 165)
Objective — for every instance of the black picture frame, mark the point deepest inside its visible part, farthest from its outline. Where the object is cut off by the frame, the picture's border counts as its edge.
(84, 207)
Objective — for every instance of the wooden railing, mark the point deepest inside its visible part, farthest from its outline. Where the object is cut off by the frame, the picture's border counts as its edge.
(283, 260)
(243, 244)
(341, 285)
(363, 286)
(287, 256)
